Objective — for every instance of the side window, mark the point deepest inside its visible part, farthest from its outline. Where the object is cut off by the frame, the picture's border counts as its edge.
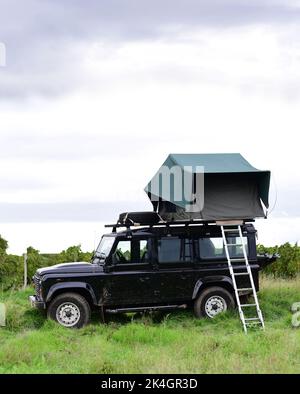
(174, 250)
(213, 248)
(134, 251)
(122, 253)
(144, 251)
(237, 250)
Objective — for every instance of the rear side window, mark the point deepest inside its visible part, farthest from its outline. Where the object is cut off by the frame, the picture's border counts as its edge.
(213, 248)
(174, 250)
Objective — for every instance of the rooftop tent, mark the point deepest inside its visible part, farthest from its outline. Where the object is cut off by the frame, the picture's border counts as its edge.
(231, 187)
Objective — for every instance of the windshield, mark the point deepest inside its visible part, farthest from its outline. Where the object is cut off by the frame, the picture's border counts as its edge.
(103, 249)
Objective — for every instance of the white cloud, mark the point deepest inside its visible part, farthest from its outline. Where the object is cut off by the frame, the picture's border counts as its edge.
(195, 90)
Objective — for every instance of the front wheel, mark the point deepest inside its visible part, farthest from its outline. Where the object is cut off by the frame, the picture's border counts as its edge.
(70, 310)
(212, 301)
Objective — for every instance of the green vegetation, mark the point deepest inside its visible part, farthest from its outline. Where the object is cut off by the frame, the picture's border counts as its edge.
(158, 343)
(12, 266)
(288, 265)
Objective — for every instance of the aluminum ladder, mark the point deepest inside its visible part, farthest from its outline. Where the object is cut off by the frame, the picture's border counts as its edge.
(258, 318)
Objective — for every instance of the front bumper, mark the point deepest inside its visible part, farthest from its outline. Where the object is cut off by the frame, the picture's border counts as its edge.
(35, 303)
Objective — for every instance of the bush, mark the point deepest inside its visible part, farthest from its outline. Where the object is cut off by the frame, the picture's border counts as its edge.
(11, 271)
(12, 267)
(288, 265)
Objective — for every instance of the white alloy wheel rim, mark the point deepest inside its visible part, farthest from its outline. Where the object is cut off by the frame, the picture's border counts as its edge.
(215, 305)
(68, 314)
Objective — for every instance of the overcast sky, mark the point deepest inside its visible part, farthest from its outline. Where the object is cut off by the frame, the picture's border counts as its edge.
(96, 94)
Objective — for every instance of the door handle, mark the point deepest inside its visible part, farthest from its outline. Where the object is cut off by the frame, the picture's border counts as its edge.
(144, 279)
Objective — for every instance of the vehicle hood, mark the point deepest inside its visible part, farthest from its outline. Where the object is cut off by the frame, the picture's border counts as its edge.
(70, 268)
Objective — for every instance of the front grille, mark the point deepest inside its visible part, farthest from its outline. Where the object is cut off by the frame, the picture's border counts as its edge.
(37, 285)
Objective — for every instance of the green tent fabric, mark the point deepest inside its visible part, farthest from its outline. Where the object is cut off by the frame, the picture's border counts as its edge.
(233, 188)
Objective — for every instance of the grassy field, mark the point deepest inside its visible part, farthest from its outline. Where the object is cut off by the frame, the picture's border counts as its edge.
(161, 343)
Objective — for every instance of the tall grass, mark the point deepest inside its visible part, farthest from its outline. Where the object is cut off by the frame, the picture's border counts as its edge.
(160, 343)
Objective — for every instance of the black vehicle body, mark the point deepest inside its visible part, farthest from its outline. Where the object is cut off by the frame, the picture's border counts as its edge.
(152, 276)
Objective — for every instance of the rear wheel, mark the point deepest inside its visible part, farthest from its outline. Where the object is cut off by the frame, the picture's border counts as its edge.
(70, 310)
(212, 301)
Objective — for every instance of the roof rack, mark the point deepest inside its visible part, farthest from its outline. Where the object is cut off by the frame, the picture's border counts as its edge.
(186, 223)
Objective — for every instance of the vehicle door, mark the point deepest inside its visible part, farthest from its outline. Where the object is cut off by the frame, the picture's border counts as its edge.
(175, 268)
(131, 272)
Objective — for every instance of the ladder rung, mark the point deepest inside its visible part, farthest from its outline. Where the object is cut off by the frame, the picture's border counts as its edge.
(255, 324)
(245, 289)
(237, 260)
(245, 305)
(234, 244)
(241, 273)
(252, 319)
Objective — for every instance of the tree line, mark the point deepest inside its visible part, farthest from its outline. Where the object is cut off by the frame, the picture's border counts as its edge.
(12, 266)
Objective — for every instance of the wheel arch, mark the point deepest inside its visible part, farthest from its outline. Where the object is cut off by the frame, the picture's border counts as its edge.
(84, 289)
(204, 283)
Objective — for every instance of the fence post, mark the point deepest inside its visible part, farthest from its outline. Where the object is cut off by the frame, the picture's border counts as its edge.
(25, 270)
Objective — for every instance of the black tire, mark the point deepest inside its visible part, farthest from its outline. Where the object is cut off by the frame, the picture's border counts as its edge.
(70, 310)
(210, 298)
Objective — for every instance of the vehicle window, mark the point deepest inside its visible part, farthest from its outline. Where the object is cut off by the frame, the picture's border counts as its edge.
(122, 253)
(104, 247)
(144, 251)
(174, 249)
(213, 248)
(237, 251)
(134, 251)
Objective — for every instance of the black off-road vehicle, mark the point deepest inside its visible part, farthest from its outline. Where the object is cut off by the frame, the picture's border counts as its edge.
(154, 266)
